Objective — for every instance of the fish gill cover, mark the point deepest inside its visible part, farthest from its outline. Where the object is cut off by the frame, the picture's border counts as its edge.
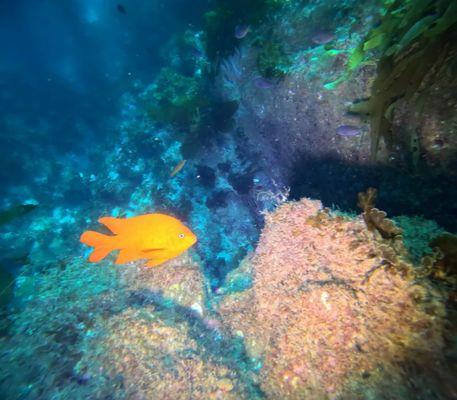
(311, 148)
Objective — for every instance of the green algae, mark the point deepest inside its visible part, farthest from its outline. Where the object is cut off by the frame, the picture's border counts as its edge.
(417, 234)
(175, 99)
(272, 61)
(334, 84)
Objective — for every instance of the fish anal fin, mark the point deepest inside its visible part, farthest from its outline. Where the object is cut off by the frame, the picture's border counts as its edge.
(99, 254)
(127, 255)
(115, 225)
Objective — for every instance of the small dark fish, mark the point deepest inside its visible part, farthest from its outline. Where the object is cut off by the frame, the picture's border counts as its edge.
(348, 130)
(82, 379)
(263, 83)
(121, 9)
(241, 31)
(322, 37)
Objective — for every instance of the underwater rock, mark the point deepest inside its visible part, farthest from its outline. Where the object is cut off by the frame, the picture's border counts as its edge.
(218, 199)
(16, 211)
(179, 280)
(331, 316)
(163, 341)
(241, 183)
(445, 267)
(206, 176)
(174, 98)
(155, 359)
(53, 313)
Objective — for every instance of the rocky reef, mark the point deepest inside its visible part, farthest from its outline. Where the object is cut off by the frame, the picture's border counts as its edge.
(267, 105)
(337, 311)
(326, 306)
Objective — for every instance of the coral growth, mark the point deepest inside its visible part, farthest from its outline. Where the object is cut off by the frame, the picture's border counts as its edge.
(335, 311)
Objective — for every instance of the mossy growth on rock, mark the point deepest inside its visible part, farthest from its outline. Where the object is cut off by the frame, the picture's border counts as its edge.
(174, 98)
(418, 234)
(272, 61)
(182, 102)
(334, 310)
(415, 42)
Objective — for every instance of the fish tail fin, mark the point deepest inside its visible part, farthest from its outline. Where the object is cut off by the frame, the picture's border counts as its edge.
(102, 244)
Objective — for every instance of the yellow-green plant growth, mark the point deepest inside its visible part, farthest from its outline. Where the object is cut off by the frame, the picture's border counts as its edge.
(175, 99)
(415, 41)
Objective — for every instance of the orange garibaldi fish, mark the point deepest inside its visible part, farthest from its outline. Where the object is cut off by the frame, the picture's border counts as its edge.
(153, 237)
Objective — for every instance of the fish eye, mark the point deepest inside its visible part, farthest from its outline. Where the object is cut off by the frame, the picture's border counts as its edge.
(181, 235)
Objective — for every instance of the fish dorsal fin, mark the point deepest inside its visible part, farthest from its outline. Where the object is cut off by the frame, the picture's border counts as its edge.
(115, 225)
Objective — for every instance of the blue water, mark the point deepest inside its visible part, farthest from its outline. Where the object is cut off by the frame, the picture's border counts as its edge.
(219, 114)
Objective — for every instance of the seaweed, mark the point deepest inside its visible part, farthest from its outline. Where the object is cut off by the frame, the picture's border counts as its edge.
(446, 266)
(376, 219)
(180, 101)
(414, 41)
(272, 60)
(175, 99)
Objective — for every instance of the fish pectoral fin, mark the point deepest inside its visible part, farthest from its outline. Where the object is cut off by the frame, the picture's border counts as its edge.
(154, 256)
(127, 255)
(152, 250)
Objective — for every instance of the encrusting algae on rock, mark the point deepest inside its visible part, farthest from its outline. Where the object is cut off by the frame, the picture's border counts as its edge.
(163, 344)
(330, 316)
(324, 308)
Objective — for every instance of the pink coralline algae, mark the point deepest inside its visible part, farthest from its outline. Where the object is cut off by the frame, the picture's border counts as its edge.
(329, 315)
